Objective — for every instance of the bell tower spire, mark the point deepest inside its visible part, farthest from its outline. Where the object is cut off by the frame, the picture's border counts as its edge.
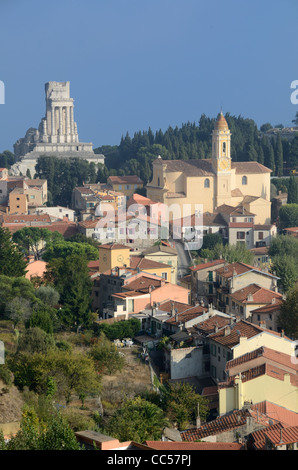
(221, 145)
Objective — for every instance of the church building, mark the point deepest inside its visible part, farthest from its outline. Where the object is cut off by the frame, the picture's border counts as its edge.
(213, 182)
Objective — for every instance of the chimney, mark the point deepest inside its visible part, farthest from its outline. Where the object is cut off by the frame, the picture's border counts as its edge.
(282, 334)
(153, 310)
(227, 330)
(173, 311)
(176, 317)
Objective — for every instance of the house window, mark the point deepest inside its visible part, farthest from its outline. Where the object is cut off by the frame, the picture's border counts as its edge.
(207, 183)
(165, 276)
(127, 186)
(213, 371)
(210, 289)
(261, 235)
(240, 235)
(120, 186)
(244, 180)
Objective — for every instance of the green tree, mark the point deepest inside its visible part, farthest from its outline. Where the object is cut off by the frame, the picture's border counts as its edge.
(48, 295)
(34, 434)
(73, 373)
(288, 216)
(233, 253)
(284, 245)
(138, 420)
(279, 157)
(70, 277)
(293, 190)
(35, 340)
(286, 268)
(106, 356)
(64, 249)
(33, 240)
(288, 317)
(12, 262)
(181, 403)
(18, 310)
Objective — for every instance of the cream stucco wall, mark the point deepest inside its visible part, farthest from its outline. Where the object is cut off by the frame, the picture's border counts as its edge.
(265, 387)
(270, 340)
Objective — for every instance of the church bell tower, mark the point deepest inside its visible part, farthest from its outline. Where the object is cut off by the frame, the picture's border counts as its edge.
(221, 161)
(221, 145)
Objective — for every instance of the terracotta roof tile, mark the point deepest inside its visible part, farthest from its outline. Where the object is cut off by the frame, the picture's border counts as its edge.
(129, 179)
(282, 436)
(235, 268)
(208, 326)
(217, 426)
(144, 263)
(185, 446)
(254, 294)
(240, 328)
(274, 413)
(211, 264)
(258, 438)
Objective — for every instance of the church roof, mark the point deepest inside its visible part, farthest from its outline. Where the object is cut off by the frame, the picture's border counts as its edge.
(204, 167)
(249, 167)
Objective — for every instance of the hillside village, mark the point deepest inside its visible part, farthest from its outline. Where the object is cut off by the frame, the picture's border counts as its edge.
(201, 288)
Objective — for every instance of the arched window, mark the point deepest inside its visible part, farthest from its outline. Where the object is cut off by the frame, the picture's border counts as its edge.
(158, 181)
(206, 183)
(224, 147)
(244, 179)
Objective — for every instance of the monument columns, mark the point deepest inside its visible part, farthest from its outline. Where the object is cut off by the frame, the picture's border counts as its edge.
(60, 123)
(53, 120)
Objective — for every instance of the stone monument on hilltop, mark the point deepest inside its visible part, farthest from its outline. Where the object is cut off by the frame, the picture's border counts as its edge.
(57, 134)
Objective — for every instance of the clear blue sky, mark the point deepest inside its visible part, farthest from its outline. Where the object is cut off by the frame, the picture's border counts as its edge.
(139, 63)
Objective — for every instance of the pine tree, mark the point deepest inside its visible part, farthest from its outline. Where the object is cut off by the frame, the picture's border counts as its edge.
(12, 262)
(279, 157)
(293, 191)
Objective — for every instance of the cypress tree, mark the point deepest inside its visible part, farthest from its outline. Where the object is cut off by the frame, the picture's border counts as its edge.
(12, 262)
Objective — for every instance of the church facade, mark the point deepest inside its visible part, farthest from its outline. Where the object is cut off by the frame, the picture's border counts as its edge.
(213, 182)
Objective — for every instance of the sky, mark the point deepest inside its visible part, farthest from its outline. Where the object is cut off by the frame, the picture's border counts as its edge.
(135, 64)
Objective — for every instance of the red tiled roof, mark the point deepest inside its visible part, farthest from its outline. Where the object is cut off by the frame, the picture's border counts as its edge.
(278, 357)
(258, 437)
(199, 267)
(114, 246)
(269, 308)
(240, 328)
(144, 263)
(130, 179)
(264, 369)
(249, 168)
(185, 446)
(254, 294)
(143, 284)
(23, 218)
(187, 315)
(282, 436)
(241, 224)
(237, 268)
(217, 426)
(275, 413)
(208, 326)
